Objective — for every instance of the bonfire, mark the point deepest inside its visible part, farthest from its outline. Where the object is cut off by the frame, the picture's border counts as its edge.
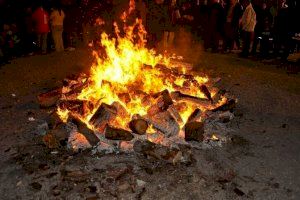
(134, 94)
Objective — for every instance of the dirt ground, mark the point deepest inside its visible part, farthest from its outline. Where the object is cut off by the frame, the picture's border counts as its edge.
(262, 161)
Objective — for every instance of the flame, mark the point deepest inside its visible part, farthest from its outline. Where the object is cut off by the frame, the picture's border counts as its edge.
(125, 66)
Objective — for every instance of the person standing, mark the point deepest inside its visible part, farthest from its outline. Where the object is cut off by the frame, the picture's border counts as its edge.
(248, 23)
(156, 17)
(215, 26)
(57, 20)
(170, 23)
(41, 22)
(233, 15)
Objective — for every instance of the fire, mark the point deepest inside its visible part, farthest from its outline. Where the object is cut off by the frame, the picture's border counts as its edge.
(129, 73)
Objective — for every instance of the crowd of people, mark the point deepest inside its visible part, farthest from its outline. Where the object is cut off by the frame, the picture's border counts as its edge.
(251, 27)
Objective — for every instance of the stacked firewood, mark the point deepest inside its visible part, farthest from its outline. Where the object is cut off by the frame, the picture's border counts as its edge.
(164, 116)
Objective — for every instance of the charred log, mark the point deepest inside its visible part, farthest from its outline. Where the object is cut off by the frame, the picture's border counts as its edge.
(103, 116)
(85, 130)
(117, 134)
(206, 92)
(165, 123)
(229, 105)
(49, 98)
(195, 115)
(163, 101)
(194, 131)
(76, 106)
(138, 126)
(185, 97)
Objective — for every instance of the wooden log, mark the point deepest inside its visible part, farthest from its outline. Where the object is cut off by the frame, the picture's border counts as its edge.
(206, 92)
(194, 131)
(163, 101)
(124, 97)
(228, 105)
(175, 114)
(164, 122)
(121, 111)
(138, 126)
(178, 96)
(80, 107)
(195, 115)
(104, 114)
(49, 98)
(85, 130)
(117, 134)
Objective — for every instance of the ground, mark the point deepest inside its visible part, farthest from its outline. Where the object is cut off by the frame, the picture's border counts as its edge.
(262, 161)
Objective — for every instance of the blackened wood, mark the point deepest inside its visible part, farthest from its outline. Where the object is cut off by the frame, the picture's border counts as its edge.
(228, 105)
(85, 130)
(195, 115)
(80, 107)
(138, 126)
(180, 96)
(49, 98)
(167, 100)
(206, 92)
(117, 134)
(194, 131)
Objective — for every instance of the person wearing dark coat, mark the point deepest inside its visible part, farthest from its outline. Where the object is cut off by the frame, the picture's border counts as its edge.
(215, 26)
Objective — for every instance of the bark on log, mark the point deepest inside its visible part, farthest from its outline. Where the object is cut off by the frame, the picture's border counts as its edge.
(228, 105)
(103, 116)
(49, 98)
(84, 130)
(194, 131)
(138, 126)
(117, 134)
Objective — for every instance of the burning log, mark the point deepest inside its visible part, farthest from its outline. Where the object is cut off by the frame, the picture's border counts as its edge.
(165, 123)
(84, 130)
(156, 151)
(228, 105)
(194, 131)
(178, 96)
(174, 112)
(49, 98)
(125, 97)
(138, 126)
(103, 116)
(76, 106)
(117, 134)
(164, 100)
(195, 115)
(206, 92)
